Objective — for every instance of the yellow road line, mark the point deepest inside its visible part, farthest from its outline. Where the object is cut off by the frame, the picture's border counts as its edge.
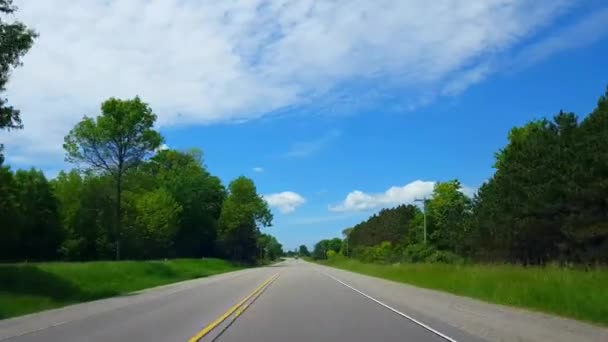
(230, 311)
(243, 308)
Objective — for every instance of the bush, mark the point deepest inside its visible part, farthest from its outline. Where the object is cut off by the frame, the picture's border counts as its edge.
(444, 257)
(418, 252)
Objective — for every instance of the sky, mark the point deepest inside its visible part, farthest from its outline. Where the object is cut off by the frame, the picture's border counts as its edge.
(335, 109)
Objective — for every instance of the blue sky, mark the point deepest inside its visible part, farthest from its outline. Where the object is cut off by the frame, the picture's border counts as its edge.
(335, 111)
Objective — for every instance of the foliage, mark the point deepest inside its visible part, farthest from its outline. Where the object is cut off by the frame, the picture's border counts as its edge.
(116, 141)
(243, 212)
(270, 249)
(324, 246)
(303, 251)
(15, 40)
(388, 225)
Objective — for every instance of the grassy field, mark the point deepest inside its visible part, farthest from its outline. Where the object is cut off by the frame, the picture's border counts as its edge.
(26, 288)
(571, 293)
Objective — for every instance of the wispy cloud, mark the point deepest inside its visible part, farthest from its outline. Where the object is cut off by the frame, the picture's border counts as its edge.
(258, 169)
(304, 149)
(585, 31)
(229, 61)
(312, 220)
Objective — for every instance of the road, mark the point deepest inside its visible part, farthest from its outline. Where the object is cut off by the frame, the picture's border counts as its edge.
(292, 301)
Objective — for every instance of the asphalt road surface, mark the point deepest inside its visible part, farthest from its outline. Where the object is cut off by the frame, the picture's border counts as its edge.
(292, 301)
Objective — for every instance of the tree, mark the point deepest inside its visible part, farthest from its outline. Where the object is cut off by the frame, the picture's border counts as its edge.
(243, 212)
(199, 193)
(115, 142)
(303, 251)
(37, 216)
(448, 212)
(9, 205)
(15, 40)
(153, 224)
(269, 247)
(320, 250)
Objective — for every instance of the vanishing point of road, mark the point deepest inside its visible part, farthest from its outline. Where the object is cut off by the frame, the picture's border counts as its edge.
(292, 301)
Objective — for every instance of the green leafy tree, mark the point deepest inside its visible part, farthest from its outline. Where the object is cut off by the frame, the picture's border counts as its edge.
(269, 247)
(199, 193)
(9, 205)
(153, 224)
(243, 212)
(15, 40)
(320, 250)
(116, 141)
(37, 216)
(303, 251)
(448, 214)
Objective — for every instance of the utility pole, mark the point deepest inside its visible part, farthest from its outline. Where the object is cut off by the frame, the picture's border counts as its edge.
(423, 200)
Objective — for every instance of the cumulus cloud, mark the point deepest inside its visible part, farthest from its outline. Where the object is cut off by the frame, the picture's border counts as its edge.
(361, 201)
(258, 169)
(286, 201)
(201, 62)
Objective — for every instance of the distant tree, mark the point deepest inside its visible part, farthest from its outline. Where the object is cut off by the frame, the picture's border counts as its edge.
(303, 251)
(9, 205)
(243, 212)
(448, 213)
(269, 247)
(37, 216)
(334, 244)
(116, 141)
(15, 40)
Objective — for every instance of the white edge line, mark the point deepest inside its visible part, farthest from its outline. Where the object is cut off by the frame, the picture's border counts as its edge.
(393, 309)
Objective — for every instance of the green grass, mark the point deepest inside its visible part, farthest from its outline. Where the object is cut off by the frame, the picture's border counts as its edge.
(571, 293)
(27, 288)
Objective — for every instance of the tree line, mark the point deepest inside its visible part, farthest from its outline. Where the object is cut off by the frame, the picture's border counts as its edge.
(129, 199)
(546, 202)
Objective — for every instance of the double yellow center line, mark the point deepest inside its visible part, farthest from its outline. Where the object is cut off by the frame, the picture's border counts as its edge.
(239, 308)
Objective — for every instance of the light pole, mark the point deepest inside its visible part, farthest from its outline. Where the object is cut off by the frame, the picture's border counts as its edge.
(423, 200)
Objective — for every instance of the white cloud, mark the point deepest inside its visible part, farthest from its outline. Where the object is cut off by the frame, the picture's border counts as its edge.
(303, 149)
(361, 201)
(163, 147)
(258, 169)
(215, 61)
(469, 191)
(286, 201)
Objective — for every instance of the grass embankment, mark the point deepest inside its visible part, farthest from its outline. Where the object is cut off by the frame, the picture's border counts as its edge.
(571, 293)
(26, 288)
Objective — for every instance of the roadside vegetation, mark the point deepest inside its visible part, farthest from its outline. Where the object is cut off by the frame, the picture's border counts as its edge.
(534, 235)
(27, 288)
(569, 292)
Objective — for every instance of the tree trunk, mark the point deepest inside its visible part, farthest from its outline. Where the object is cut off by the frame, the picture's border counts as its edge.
(118, 218)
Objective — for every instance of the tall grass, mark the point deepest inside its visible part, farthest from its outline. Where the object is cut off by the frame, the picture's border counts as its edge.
(26, 288)
(576, 293)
